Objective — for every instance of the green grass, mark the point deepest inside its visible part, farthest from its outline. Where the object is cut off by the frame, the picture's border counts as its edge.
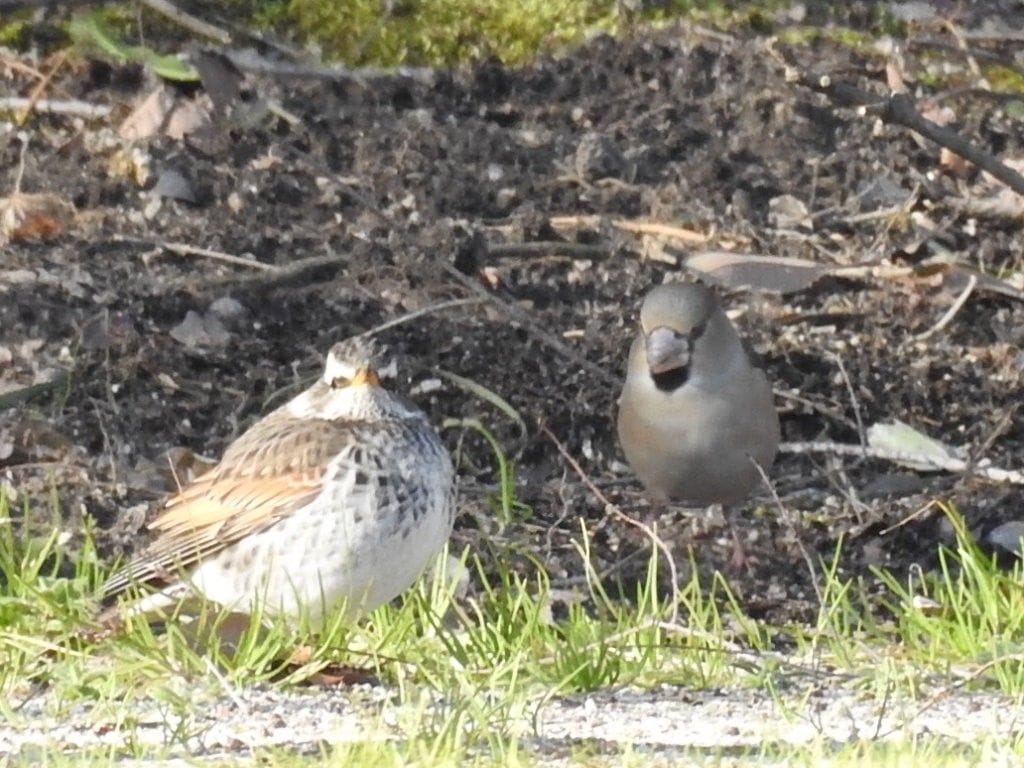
(468, 672)
(492, 655)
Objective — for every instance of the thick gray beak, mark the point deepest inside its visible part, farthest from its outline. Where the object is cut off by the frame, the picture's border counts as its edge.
(666, 351)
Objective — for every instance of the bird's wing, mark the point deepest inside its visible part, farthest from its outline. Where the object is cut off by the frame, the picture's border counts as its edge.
(274, 469)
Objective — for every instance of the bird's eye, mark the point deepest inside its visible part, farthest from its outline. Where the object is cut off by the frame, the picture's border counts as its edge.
(340, 382)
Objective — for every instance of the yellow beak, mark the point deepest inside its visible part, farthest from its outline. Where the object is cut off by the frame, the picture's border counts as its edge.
(366, 375)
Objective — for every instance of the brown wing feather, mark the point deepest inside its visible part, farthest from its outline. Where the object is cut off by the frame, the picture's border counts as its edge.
(272, 470)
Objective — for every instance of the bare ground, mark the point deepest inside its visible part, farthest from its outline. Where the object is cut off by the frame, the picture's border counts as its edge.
(419, 190)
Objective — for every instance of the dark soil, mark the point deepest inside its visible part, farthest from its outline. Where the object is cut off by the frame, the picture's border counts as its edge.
(410, 183)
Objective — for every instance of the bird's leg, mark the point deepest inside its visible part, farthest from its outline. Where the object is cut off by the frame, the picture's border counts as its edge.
(738, 559)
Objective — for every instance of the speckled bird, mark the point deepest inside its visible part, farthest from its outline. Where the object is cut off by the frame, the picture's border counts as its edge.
(342, 495)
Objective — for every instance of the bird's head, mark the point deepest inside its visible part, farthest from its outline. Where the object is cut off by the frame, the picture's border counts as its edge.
(673, 320)
(351, 386)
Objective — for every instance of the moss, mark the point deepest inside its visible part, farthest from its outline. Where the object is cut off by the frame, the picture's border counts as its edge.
(442, 31)
(447, 32)
(1003, 78)
(853, 39)
(12, 31)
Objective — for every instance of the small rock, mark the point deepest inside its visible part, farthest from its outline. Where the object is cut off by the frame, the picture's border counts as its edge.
(174, 185)
(1007, 536)
(599, 157)
(199, 331)
(229, 310)
(788, 212)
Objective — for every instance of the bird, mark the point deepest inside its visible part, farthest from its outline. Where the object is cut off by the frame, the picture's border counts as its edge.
(695, 412)
(340, 497)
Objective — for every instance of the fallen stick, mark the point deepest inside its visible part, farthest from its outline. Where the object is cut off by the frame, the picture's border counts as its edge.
(73, 107)
(945, 464)
(899, 109)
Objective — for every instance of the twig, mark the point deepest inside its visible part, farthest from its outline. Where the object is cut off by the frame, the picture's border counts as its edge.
(270, 276)
(784, 513)
(861, 435)
(919, 512)
(899, 109)
(635, 227)
(947, 464)
(295, 273)
(37, 90)
(961, 41)
(528, 324)
(991, 437)
(1017, 658)
(663, 230)
(427, 310)
(187, 249)
(879, 213)
(21, 164)
(188, 21)
(249, 61)
(613, 510)
(1004, 35)
(979, 54)
(1000, 97)
(20, 66)
(951, 312)
(999, 207)
(73, 107)
(548, 248)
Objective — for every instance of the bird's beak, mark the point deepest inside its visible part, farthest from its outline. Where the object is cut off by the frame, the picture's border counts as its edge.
(366, 375)
(666, 351)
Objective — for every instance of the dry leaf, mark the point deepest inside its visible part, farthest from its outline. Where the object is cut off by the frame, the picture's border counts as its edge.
(34, 217)
(953, 164)
(788, 212)
(901, 438)
(130, 163)
(201, 331)
(161, 112)
(773, 274)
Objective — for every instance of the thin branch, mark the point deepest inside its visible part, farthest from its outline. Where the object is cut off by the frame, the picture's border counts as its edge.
(295, 273)
(548, 248)
(690, 236)
(946, 464)
(614, 510)
(415, 314)
(269, 277)
(73, 107)
(899, 109)
(187, 249)
(861, 434)
(528, 324)
(1015, 658)
(963, 49)
(188, 21)
(787, 517)
(248, 61)
(950, 313)
(37, 91)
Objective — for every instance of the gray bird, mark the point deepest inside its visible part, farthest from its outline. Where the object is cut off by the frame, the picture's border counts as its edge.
(695, 409)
